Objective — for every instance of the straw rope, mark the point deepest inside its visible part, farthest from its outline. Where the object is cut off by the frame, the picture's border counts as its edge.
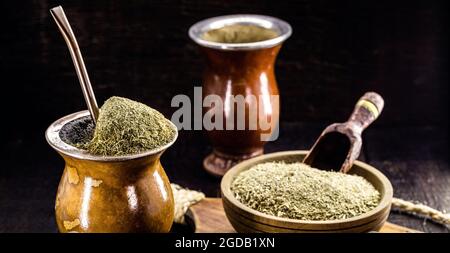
(184, 198)
(421, 210)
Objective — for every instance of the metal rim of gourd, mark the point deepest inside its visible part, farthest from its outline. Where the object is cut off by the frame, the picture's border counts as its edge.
(282, 27)
(53, 138)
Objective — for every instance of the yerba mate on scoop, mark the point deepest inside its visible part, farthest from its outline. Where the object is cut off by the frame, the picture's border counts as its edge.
(298, 191)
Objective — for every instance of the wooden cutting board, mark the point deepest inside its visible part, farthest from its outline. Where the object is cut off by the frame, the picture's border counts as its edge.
(208, 216)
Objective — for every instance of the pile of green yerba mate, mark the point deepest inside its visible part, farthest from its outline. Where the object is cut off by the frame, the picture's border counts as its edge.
(126, 127)
(298, 191)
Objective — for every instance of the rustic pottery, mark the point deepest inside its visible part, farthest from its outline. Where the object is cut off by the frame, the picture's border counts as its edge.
(245, 219)
(110, 194)
(239, 69)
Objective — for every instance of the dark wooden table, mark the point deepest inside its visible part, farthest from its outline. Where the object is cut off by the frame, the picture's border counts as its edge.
(414, 159)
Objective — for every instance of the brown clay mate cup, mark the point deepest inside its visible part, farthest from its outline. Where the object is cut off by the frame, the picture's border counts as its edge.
(110, 194)
(234, 69)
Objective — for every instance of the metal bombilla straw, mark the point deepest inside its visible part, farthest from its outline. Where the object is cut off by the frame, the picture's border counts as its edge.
(64, 27)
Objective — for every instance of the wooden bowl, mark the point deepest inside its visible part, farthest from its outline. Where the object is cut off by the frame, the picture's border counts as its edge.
(244, 219)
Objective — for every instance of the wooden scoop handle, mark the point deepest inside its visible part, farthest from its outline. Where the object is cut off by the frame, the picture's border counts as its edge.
(366, 111)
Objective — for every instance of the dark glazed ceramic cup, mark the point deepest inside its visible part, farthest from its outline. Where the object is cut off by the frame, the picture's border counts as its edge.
(110, 194)
(240, 69)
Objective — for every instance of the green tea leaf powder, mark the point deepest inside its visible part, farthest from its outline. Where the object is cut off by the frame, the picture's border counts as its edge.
(127, 127)
(298, 191)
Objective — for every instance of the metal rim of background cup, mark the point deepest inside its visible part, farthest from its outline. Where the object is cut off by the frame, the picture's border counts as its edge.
(53, 138)
(282, 27)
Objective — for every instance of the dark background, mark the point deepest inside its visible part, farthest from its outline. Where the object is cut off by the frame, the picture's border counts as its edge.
(141, 50)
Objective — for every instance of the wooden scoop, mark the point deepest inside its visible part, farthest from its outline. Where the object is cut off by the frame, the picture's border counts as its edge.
(339, 144)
